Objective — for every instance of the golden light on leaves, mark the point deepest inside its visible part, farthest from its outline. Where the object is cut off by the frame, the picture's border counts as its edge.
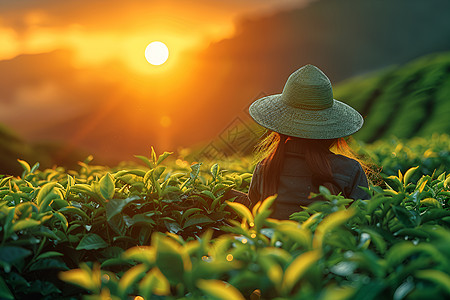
(229, 257)
(156, 53)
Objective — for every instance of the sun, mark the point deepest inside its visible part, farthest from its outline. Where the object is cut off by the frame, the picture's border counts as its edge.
(156, 53)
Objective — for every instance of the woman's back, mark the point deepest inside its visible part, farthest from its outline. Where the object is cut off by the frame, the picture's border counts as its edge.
(303, 123)
(297, 180)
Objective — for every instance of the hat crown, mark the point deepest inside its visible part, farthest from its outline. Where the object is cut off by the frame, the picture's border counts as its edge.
(308, 88)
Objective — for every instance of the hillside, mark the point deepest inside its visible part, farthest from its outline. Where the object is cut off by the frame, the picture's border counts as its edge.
(402, 101)
(13, 147)
(113, 113)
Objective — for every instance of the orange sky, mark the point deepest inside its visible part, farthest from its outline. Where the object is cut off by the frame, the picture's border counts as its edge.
(75, 71)
(105, 73)
(101, 31)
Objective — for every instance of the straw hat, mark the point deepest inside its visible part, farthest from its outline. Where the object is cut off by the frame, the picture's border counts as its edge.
(306, 108)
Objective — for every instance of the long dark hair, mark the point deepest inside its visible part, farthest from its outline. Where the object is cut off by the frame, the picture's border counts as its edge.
(270, 154)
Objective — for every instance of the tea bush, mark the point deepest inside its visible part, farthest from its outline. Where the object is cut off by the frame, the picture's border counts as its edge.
(173, 230)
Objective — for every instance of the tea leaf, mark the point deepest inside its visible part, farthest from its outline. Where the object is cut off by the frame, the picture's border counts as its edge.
(106, 185)
(267, 203)
(143, 254)
(49, 254)
(129, 278)
(80, 277)
(169, 258)
(145, 160)
(409, 218)
(242, 210)
(297, 269)
(5, 292)
(196, 220)
(48, 263)
(329, 223)
(440, 278)
(115, 206)
(162, 157)
(408, 174)
(26, 167)
(24, 224)
(91, 241)
(219, 290)
(44, 192)
(154, 283)
(215, 171)
(11, 254)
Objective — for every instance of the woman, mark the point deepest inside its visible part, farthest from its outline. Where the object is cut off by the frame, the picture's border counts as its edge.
(304, 122)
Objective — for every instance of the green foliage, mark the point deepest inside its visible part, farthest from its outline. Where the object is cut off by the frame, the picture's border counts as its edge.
(403, 101)
(171, 230)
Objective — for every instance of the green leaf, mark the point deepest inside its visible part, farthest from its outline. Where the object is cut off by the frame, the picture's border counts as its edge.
(143, 254)
(408, 174)
(209, 194)
(106, 185)
(81, 277)
(153, 156)
(266, 204)
(62, 218)
(299, 235)
(438, 277)
(74, 210)
(145, 160)
(297, 269)
(35, 167)
(91, 241)
(377, 240)
(242, 210)
(329, 223)
(11, 254)
(48, 263)
(26, 167)
(220, 290)
(44, 191)
(117, 223)
(430, 202)
(196, 220)
(162, 157)
(44, 288)
(115, 206)
(49, 254)
(408, 218)
(169, 258)
(154, 283)
(24, 224)
(434, 214)
(215, 171)
(5, 293)
(400, 251)
(324, 191)
(189, 212)
(129, 278)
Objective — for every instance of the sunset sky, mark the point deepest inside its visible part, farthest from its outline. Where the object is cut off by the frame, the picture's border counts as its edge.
(104, 41)
(74, 72)
(101, 31)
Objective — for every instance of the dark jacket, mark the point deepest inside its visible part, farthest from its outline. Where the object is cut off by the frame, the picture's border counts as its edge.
(296, 184)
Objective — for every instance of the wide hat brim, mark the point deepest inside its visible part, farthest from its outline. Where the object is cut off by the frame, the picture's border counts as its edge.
(337, 121)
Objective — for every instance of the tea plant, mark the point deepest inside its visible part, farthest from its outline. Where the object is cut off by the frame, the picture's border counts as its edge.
(170, 229)
(394, 244)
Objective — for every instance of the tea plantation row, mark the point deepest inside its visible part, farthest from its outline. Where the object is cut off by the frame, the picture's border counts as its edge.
(170, 230)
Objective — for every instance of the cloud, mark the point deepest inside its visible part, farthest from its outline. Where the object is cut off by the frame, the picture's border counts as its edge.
(103, 30)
